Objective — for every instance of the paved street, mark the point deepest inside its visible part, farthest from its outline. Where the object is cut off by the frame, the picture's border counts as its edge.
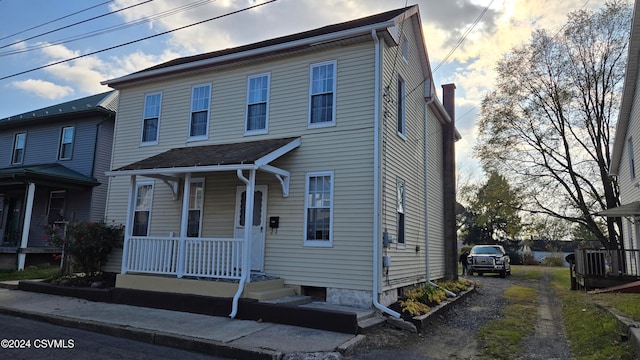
(80, 345)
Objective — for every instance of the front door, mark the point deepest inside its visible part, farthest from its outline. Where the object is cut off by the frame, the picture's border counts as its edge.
(259, 219)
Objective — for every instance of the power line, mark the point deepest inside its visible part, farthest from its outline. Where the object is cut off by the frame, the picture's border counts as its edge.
(456, 46)
(76, 23)
(464, 36)
(138, 40)
(54, 20)
(107, 29)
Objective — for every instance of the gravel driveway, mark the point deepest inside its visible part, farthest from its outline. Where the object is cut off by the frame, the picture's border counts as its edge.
(453, 334)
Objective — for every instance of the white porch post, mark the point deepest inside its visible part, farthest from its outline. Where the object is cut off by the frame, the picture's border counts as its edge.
(31, 190)
(128, 229)
(184, 221)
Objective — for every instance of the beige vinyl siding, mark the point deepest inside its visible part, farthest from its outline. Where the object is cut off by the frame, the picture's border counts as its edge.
(403, 158)
(346, 149)
(435, 198)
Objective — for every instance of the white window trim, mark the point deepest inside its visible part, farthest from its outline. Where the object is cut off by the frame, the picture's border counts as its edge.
(206, 133)
(155, 142)
(196, 180)
(135, 204)
(62, 139)
(318, 243)
(403, 183)
(335, 90)
(246, 116)
(402, 95)
(23, 148)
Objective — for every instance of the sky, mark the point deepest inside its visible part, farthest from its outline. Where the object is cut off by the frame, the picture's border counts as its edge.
(36, 33)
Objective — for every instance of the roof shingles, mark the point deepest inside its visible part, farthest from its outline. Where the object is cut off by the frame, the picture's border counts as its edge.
(210, 155)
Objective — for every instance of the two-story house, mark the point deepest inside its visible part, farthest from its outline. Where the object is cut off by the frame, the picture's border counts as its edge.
(322, 159)
(52, 170)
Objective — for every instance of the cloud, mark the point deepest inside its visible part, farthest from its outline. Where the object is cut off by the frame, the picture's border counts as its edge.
(44, 89)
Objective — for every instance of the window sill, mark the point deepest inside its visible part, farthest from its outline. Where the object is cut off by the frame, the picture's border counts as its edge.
(318, 243)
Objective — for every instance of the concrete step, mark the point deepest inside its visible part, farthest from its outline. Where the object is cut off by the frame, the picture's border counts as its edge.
(294, 300)
(371, 323)
(9, 284)
(268, 294)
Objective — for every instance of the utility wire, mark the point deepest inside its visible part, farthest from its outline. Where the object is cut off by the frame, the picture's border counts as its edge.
(54, 20)
(464, 36)
(455, 47)
(76, 23)
(138, 40)
(107, 29)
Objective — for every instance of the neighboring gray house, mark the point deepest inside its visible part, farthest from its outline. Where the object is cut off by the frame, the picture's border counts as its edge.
(52, 170)
(321, 158)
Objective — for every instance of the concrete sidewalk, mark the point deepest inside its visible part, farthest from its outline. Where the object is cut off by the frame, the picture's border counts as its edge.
(220, 336)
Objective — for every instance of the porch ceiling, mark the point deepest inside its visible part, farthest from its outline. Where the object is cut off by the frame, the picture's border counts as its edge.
(222, 157)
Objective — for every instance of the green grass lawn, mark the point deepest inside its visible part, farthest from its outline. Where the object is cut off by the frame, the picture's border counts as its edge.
(592, 332)
(29, 273)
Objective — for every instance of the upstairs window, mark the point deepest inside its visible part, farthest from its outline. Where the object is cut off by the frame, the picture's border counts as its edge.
(404, 43)
(322, 94)
(401, 111)
(19, 142)
(66, 143)
(151, 119)
(200, 100)
(632, 161)
(257, 104)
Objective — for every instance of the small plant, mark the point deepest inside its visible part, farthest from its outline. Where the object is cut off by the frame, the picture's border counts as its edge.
(414, 307)
(457, 286)
(87, 243)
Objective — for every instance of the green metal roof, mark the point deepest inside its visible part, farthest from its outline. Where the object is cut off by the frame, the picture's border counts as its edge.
(46, 174)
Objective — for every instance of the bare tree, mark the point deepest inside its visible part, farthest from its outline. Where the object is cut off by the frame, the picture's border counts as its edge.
(548, 124)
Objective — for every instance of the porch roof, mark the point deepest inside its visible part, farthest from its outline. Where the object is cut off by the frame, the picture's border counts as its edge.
(49, 174)
(221, 157)
(630, 209)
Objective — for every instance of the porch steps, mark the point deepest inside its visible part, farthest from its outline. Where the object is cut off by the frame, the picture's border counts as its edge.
(368, 319)
(268, 294)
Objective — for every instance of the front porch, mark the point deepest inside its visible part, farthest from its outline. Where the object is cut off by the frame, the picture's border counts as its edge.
(207, 251)
(260, 288)
(605, 268)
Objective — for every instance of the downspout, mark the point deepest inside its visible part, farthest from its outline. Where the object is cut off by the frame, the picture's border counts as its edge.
(432, 98)
(376, 182)
(247, 235)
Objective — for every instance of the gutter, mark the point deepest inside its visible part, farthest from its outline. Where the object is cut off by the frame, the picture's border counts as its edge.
(247, 246)
(376, 182)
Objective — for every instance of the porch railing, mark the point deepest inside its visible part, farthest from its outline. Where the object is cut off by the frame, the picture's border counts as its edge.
(199, 257)
(604, 268)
